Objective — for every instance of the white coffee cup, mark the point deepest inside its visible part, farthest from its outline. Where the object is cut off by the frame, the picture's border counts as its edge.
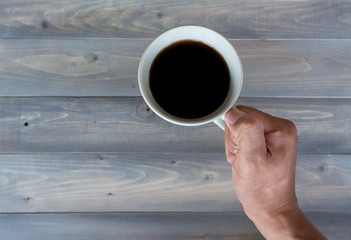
(199, 34)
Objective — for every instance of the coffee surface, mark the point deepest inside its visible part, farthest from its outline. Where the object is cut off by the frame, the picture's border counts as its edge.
(189, 79)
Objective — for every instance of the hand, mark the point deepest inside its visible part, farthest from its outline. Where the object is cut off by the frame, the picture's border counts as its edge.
(262, 150)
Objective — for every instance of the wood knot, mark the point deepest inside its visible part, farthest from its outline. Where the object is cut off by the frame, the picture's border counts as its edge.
(209, 177)
(323, 168)
(109, 194)
(28, 198)
(101, 157)
(144, 110)
(93, 58)
(26, 124)
(172, 162)
(44, 24)
(159, 14)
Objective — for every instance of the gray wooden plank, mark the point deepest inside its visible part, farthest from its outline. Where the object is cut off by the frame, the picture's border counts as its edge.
(154, 182)
(128, 226)
(284, 68)
(234, 19)
(64, 125)
(153, 226)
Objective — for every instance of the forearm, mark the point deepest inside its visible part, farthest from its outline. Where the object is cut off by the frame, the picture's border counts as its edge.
(289, 225)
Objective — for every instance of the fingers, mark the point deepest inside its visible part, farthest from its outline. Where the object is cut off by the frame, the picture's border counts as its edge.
(270, 123)
(244, 137)
(230, 146)
(279, 132)
(234, 117)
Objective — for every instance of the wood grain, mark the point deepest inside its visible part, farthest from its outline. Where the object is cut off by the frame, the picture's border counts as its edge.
(234, 19)
(127, 125)
(272, 68)
(83, 157)
(219, 226)
(154, 182)
(128, 226)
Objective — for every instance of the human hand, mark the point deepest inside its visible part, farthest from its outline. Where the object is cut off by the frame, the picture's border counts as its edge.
(262, 150)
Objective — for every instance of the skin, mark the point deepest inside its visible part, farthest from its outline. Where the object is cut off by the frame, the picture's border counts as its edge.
(262, 151)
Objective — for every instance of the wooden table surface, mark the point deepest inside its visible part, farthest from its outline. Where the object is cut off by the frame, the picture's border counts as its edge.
(83, 157)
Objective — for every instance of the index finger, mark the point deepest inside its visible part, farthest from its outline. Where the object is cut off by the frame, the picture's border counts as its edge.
(270, 123)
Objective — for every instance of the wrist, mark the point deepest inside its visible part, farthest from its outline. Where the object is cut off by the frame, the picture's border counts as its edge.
(278, 225)
(290, 224)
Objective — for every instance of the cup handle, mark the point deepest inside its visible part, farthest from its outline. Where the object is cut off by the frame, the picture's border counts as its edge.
(220, 121)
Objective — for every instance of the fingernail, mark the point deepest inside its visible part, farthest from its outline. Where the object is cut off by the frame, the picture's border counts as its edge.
(232, 116)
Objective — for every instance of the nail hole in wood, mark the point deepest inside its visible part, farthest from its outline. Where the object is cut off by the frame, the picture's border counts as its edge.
(44, 24)
(159, 14)
(323, 168)
(93, 58)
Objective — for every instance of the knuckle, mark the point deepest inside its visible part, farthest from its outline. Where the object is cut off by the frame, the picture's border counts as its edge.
(251, 124)
(227, 155)
(240, 107)
(288, 130)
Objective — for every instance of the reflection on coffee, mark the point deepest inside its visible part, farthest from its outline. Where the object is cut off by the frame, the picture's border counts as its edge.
(189, 79)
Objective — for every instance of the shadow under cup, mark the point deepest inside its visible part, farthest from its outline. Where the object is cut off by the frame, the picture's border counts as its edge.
(190, 48)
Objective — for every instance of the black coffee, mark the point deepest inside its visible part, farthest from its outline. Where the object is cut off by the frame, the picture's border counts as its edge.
(189, 79)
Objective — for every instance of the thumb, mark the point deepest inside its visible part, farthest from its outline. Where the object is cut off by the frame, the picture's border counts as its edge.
(248, 133)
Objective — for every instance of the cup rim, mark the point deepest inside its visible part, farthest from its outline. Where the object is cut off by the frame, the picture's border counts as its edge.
(226, 105)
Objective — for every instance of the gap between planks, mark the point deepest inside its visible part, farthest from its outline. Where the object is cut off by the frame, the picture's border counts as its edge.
(161, 212)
